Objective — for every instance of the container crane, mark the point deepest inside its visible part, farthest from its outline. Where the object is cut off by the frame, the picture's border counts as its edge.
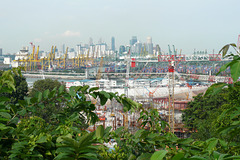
(62, 60)
(87, 58)
(31, 57)
(65, 58)
(170, 52)
(36, 60)
(174, 50)
(98, 77)
(93, 51)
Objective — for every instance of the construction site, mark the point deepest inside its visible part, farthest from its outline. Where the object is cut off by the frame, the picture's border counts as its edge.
(166, 82)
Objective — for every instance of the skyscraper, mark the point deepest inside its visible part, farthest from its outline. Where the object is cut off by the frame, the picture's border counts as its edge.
(149, 45)
(113, 44)
(121, 49)
(133, 40)
(0, 51)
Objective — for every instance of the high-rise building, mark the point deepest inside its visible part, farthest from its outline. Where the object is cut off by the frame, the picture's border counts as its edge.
(121, 49)
(133, 40)
(113, 44)
(138, 47)
(0, 51)
(101, 49)
(158, 50)
(149, 45)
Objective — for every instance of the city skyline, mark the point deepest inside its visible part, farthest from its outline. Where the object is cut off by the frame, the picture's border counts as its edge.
(189, 25)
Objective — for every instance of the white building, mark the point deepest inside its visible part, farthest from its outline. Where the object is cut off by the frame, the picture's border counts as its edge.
(101, 49)
(21, 55)
(7, 60)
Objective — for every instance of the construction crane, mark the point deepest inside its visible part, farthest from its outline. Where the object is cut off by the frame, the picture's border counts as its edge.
(127, 73)
(125, 120)
(171, 78)
(171, 82)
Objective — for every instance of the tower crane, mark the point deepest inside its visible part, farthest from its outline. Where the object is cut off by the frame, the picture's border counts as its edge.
(127, 73)
(171, 78)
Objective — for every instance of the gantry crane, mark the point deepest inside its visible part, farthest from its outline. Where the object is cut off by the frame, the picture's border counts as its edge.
(170, 52)
(65, 58)
(35, 59)
(98, 77)
(87, 58)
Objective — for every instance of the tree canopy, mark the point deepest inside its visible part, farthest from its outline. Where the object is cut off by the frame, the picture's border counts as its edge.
(21, 88)
(44, 84)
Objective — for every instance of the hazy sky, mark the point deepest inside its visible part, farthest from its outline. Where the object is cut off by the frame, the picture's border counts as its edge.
(188, 24)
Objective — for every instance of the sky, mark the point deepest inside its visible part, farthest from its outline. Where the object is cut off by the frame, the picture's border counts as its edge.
(187, 24)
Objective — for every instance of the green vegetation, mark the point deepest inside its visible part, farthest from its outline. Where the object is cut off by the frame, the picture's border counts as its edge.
(44, 84)
(28, 134)
(21, 88)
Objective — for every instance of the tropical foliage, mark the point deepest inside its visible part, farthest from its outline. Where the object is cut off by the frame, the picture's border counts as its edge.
(21, 88)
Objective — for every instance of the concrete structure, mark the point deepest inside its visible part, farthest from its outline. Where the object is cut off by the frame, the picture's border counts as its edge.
(21, 55)
(149, 45)
(122, 49)
(7, 60)
(101, 49)
(113, 44)
(137, 48)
